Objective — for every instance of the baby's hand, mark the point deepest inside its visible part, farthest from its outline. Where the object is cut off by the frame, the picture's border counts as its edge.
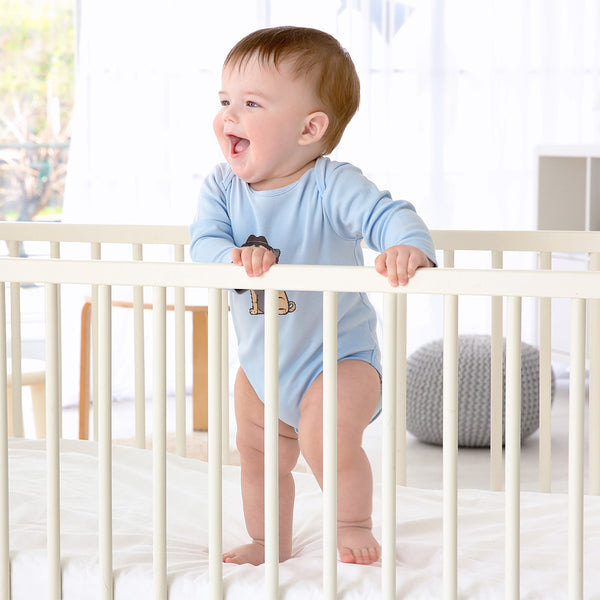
(400, 263)
(255, 259)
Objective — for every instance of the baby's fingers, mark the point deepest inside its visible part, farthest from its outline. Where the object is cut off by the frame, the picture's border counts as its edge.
(255, 259)
(393, 265)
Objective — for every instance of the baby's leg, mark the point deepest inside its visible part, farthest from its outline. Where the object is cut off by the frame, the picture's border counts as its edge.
(358, 395)
(249, 412)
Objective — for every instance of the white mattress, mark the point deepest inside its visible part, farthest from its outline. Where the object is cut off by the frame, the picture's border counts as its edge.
(419, 534)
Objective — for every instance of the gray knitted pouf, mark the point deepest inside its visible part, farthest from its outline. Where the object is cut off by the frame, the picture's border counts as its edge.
(424, 391)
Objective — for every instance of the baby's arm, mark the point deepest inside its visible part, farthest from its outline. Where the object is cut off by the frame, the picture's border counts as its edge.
(400, 263)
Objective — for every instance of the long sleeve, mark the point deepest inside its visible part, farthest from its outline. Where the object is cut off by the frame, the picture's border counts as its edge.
(211, 232)
(357, 208)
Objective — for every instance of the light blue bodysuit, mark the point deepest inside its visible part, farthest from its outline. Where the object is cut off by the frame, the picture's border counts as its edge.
(320, 219)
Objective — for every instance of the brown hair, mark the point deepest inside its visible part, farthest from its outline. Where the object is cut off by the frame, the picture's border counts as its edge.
(314, 54)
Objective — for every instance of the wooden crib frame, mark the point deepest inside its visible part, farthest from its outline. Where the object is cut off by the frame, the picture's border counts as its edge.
(449, 282)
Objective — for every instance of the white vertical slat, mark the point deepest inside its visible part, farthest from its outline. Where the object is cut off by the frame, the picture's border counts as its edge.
(545, 343)
(271, 444)
(329, 445)
(594, 387)
(513, 448)
(401, 375)
(104, 437)
(496, 385)
(95, 254)
(576, 445)
(215, 464)
(448, 259)
(53, 409)
(55, 253)
(179, 307)
(388, 414)
(4, 472)
(159, 442)
(225, 375)
(15, 342)
(138, 353)
(450, 446)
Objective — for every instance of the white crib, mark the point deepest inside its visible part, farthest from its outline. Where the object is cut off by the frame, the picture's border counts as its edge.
(61, 539)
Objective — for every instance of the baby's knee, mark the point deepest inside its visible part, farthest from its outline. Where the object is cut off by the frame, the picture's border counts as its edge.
(289, 451)
(249, 442)
(311, 446)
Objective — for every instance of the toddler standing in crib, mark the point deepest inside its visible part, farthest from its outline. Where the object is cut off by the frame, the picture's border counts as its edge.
(287, 95)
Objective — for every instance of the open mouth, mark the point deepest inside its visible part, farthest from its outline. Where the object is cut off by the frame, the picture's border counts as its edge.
(238, 145)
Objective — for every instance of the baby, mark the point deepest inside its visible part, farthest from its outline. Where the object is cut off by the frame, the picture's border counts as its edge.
(287, 95)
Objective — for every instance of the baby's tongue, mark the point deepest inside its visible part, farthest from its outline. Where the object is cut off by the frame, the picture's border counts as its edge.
(241, 145)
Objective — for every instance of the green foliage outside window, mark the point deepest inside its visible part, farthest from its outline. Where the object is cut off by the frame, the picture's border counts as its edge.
(37, 54)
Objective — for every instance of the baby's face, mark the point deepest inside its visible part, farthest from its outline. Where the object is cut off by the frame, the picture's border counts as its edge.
(260, 125)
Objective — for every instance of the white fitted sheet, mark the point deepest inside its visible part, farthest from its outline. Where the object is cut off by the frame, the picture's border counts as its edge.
(419, 533)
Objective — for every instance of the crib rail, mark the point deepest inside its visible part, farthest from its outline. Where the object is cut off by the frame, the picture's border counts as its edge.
(92, 241)
(449, 283)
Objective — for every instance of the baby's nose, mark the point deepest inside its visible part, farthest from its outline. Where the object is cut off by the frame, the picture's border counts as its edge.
(229, 114)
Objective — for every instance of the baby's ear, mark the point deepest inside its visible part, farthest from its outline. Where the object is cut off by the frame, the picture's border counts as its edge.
(314, 128)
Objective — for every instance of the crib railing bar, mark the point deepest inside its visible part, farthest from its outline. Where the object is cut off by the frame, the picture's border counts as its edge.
(179, 308)
(545, 389)
(16, 372)
(4, 471)
(330, 445)
(513, 448)
(594, 387)
(225, 376)
(576, 445)
(55, 253)
(520, 241)
(533, 241)
(496, 385)
(15, 342)
(159, 442)
(215, 459)
(388, 414)
(104, 436)
(401, 340)
(448, 259)
(464, 282)
(138, 354)
(450, 447)
(95, 254)
(88, 232)
(52, 444)
(180, 420)
(271, 444)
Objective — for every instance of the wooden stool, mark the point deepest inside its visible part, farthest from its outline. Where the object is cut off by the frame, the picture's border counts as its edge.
(33, 374)
(199, 364)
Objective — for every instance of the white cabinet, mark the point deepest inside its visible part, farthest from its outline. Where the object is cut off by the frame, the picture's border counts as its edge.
(568, 198)
(568, 188)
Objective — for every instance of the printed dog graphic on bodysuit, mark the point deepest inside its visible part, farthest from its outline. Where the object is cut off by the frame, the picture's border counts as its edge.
(258, 296)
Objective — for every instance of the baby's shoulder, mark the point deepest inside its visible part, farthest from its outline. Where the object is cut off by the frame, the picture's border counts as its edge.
(332, 175)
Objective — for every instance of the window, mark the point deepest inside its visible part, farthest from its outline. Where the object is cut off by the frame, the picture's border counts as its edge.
(37, 82)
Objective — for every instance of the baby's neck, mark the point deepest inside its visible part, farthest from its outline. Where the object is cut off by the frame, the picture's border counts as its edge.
(280, 182)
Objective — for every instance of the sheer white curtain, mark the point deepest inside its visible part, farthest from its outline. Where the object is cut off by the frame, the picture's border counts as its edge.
(456, 94)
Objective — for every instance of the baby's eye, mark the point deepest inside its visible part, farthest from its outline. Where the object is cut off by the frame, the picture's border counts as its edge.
(251, 104)
(224, 102)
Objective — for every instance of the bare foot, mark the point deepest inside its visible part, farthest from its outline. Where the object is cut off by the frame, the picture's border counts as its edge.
(253, 554)
(356, 543)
